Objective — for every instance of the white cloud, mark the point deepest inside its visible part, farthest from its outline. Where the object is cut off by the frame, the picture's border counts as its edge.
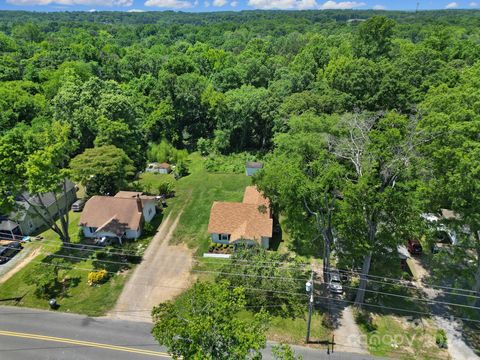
(379, 7)
(473, 4)
(219, 3)
(206, 3)
(73, 2)
(233, 3)
(92, 10)
(136, 11)
(329, 5)
(303, 4)
(173, 4)
(452, 5)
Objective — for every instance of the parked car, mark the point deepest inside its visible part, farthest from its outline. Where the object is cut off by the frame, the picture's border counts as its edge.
(103, 241)
(78, 205)
(7, 251)
(414, 247)
(334, 283)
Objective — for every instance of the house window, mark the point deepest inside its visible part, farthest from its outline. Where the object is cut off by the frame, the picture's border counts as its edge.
(224, 237)
(92, 229)
(149, 211)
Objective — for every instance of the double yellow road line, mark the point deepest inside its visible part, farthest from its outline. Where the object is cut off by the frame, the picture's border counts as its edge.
(84, 343)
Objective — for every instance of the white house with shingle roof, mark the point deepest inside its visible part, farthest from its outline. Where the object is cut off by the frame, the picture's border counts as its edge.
(121, 216)
(249, 221)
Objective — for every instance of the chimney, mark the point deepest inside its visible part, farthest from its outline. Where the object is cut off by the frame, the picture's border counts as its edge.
(139, 204)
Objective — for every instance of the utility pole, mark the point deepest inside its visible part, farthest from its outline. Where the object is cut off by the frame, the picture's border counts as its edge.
(309, 289)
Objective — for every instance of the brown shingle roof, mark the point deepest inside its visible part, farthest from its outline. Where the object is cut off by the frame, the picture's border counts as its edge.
(245, 220)
(253, 196)
(127, 194)
(239, 220)
(105, 211)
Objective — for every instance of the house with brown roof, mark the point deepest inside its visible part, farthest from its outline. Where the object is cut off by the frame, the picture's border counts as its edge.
(249, 221)
(121, 216)
(163, 168)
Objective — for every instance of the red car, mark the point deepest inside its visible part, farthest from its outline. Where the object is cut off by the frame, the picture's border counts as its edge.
(414, 247)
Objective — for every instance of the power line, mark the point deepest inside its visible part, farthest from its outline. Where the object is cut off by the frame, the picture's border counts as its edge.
(356, 288)
(284, 292)
(259, 276)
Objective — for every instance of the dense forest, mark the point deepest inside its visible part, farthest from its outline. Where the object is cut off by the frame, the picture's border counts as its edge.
(366, 107)
(228, 80)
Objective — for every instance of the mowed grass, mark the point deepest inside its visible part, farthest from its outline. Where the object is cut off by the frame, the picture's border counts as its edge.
(403, 338)
(293, 331)
(194, 196)
(78, 296)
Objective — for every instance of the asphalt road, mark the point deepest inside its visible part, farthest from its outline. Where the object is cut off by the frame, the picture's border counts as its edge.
(27, 334)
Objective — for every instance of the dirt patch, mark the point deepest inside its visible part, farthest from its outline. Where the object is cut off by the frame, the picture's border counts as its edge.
(348, 334)
(20, 264)
(163, 274)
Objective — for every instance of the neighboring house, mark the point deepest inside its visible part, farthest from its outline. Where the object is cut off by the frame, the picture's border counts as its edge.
(163, 168)
(248, 222)
(252, 167)
(26, 218)
(121, 216)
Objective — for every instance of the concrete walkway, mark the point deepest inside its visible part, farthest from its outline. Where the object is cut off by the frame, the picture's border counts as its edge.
(163, 274)
(348, 337)
(457, 347)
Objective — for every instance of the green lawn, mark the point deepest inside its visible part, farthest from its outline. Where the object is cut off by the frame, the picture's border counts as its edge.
(76, 296)
(195, 194)
(401, 337)
(293, 331)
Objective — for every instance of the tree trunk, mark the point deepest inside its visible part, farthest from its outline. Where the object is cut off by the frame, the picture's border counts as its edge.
(326, 256)
(363, 279)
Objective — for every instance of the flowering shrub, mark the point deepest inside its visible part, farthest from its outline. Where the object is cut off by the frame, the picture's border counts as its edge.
(97, 277)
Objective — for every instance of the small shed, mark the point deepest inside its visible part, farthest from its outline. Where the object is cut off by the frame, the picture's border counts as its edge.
(163, 168)
(252, 167)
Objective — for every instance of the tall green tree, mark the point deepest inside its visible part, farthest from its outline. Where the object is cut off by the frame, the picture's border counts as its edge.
(34, 164)
(203, 323)
(378, 210)
(304, 181)
(102, 170)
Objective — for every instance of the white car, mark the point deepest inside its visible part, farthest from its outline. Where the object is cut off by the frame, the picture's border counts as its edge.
(334, 284)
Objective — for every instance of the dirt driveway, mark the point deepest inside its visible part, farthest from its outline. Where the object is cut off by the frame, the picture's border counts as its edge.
(163, 274)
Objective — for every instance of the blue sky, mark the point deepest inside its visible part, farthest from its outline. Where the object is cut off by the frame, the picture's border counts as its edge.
(224, 5)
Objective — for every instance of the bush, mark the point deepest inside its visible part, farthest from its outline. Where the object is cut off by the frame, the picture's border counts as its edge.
(441, 338)
(148, 229)
(97, 277)
(365, 319)
(233, 163)
(166, 188)
(181, 168)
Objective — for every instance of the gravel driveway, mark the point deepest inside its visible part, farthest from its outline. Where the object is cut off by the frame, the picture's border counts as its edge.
(163, 274)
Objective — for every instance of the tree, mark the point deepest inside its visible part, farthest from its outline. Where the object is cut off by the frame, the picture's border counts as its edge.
(277, 275)
(33, 164)
(304, 181)
(284, 352)
(378, 204)
(452, 163)
(102, 170)
(203, 323)
(374, 37)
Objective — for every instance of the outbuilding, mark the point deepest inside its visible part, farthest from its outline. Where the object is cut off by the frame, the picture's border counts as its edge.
(252, 167)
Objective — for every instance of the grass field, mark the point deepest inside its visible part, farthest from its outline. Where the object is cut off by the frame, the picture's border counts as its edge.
(76, 296)
(403, 338)
(195, 194)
